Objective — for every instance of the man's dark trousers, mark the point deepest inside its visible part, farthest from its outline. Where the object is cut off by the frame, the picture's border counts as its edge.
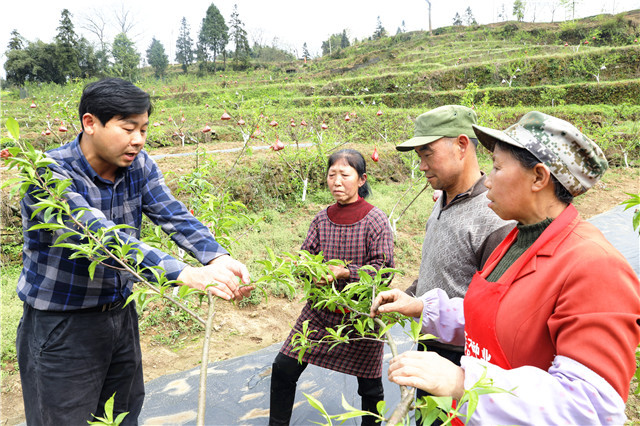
(72, 362)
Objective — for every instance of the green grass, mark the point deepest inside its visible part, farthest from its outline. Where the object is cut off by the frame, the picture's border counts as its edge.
(170, 326)
(10, 313)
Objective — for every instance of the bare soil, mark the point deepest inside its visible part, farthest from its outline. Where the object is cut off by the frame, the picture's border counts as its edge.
(242, 330)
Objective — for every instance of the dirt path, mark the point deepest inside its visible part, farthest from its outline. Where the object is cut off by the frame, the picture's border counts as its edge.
(244, 330)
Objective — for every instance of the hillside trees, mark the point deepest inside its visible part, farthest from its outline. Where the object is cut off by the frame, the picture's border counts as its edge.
(380, 31)
(125, 57)
(17, 65)
(518, 10)
(92, 63)
(96, 23)
(469, 18)
(213, 37)
(239, 37)
(157, 58)
(184, 46)
(335, 42)
(16, 42)
(34, 63)
(66, 47)
(76, 56)
(305, 52)
(570, 6)
(344, 40)
(67, 57)
(457, 20)
(270, 54)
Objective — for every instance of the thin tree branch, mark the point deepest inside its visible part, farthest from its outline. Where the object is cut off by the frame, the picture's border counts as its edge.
(204, 364)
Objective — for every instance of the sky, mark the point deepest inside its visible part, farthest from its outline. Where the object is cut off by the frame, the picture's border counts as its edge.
(285, 23)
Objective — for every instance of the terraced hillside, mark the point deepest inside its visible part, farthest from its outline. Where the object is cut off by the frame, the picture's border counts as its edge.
(585, 71)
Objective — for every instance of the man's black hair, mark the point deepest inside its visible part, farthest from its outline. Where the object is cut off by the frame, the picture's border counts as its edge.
(113, 97)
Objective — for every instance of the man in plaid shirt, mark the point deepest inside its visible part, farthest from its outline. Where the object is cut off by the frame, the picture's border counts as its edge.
(76, 344)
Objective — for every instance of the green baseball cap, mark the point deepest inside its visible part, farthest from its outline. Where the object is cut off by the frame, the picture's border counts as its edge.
(449, 121)
(574, 159)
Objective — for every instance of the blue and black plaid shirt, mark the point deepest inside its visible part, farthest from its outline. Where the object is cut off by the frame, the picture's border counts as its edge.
(50, 280)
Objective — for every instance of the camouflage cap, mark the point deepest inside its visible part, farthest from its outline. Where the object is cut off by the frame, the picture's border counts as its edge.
(575, 160)
(449, 121)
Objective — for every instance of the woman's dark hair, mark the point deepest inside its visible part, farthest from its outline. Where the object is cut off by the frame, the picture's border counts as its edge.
(529, 161)
(355, 160)
(113, 97)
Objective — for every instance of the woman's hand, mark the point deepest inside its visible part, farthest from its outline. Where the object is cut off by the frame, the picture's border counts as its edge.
(427, 371)
(340, 273)
(397, 301)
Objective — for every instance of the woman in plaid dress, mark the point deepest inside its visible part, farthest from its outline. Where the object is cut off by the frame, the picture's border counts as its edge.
(358, 233)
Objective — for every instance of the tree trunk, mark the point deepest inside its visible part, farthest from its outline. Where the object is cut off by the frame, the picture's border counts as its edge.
(430, 30)
(204, 364)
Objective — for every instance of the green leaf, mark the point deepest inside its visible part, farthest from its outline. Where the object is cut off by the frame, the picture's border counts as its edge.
(416, 328)
(318, 406)
(64, 236)
(108, 407)
(47, 226)
(472, 404)
(92, 269)
(385, 329)
(13, 127)
(120, 418)
(352, 412)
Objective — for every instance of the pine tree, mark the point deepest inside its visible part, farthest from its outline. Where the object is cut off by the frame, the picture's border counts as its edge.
(17, 42)
(157, 58)
(344, 40)
(468, 17)
(239, 37)
(380, 31)
(66, 47)
(184, 46)
(125, 57)
(213, 37)
(457, 20)
(305, 51)
(401, 29)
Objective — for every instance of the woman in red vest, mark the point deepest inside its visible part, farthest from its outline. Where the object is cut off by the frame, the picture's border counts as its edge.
(553, 316)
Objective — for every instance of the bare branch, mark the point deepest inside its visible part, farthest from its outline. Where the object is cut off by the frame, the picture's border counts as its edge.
(96, 23)
(124, 20)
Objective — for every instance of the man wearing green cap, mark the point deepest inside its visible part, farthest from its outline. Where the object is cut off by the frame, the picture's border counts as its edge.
(554, 314)
(462, 231)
